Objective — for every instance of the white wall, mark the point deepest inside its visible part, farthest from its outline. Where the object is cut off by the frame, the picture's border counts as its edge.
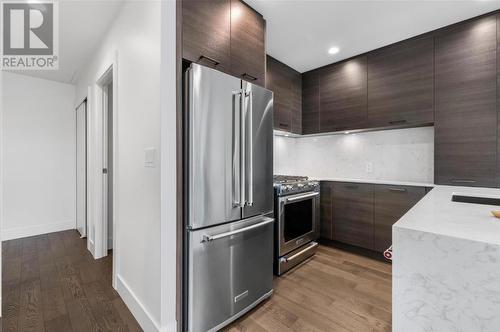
(398, 155)
(135, 39)
(38, 156)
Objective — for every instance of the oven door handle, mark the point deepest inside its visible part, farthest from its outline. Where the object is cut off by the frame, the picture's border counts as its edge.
(301, 197)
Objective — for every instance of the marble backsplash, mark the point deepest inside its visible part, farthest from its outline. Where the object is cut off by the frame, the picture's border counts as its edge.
(396, 155)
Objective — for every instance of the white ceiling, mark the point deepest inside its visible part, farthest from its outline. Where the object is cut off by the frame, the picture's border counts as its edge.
(82, 25)
(300, 32)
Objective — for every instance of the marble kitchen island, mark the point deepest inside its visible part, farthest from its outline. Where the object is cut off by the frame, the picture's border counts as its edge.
(446, 264)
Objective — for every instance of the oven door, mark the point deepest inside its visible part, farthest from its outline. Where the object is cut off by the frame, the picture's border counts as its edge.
(298, 220)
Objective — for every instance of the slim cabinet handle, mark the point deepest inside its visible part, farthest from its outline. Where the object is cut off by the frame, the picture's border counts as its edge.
(463, 181)
(401, 190)
(397, 122)
(215, 62)
(248, 76)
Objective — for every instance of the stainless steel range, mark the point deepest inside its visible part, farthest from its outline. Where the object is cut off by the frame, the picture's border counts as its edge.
(296, 209)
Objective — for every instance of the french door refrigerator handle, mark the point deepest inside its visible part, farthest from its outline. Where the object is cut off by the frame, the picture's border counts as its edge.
(242, 150)
(210, 238)
(237, 201)
(249, 94)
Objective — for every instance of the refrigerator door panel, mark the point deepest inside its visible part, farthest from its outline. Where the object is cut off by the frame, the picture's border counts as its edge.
(230, 271)
(214, 103)
(258, 161)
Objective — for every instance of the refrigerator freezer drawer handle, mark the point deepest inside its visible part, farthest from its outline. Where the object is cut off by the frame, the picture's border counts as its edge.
(210, 238)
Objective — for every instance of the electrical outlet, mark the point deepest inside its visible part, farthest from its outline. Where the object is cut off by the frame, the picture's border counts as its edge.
(369, 167)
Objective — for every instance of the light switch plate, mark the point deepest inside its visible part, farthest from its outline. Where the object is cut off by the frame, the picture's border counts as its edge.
(150, 157)
(369, 167)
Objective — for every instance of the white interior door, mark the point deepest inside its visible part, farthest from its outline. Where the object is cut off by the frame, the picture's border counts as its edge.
(81, 168)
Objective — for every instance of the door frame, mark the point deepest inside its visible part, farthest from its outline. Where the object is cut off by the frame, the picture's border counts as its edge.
(85, 230)
(99, 247)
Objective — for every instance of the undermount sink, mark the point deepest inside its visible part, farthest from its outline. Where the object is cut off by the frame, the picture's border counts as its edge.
(475, 199)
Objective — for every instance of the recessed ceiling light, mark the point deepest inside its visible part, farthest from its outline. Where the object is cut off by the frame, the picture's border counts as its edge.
(346, 132)
(287, 135)
(333, 50)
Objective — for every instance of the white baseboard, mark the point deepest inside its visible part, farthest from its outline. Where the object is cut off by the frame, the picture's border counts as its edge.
(171, 327)
(20, 232)
(144, 318)
(91, 246)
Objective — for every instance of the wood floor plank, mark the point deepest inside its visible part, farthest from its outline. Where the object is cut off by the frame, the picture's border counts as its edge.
(59, 324)
(336, 290)
(106, 315)
(44, 290)
(11, 305)
(81, 316)
(53, 303)
(124, 313)
(30, 313)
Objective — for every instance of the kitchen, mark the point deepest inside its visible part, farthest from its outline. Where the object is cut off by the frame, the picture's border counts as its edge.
(370, 144)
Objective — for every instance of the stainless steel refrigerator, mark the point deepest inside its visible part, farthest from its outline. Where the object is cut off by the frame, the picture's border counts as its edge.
(229, 231)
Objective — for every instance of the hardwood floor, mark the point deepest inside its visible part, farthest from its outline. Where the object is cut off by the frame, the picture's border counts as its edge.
(51, 283)
(334, 291)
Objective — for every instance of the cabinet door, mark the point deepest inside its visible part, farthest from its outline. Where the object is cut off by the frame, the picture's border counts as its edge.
(343, 94)
(206, 32)
(248, 54)
(296, 101)
(310, 102)
(401, 84)
(391, 203)
(326, 226)
(466, 115)
(287, 87)
(353, 214)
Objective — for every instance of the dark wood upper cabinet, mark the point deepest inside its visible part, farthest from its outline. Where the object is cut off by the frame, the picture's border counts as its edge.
(343, 91)
(248, 53)
(310, 102)
(353, 214)
(401, 84)
(390, 204)
(498, 101)
(326, 225)
(206, 32)
(286, 84)
(466, 114)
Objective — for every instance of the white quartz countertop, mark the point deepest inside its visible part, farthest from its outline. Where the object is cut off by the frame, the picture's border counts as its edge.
(386, 182)
(437, 214)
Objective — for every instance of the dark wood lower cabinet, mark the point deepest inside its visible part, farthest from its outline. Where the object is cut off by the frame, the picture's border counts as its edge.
(390, 204)
(362, 214)
(353, 214)
(326, 228)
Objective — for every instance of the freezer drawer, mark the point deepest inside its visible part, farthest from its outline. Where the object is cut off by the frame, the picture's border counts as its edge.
(230, 271)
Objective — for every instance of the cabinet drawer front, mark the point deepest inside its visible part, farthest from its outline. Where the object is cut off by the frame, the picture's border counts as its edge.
(353, 214)
(390, 204)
